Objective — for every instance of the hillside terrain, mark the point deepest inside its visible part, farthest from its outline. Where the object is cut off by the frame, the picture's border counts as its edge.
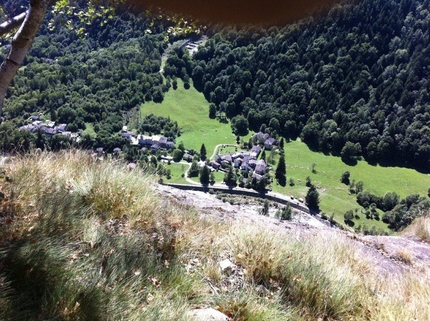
(349, 83)
(96, 241)
(104, 113)
(352, 83)
(391, 254)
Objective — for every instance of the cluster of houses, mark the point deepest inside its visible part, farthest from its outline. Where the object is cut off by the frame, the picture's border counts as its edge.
(264, 139)
(48, 128)
(247, 161)
(193, 45)
(153, 143)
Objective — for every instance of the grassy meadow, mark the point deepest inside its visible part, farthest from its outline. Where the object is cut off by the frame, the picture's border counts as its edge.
(335, 196)
(190, 109)
(176, 170)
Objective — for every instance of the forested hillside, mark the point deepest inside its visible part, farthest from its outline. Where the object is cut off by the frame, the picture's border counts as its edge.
(353, 83)
(92, 77)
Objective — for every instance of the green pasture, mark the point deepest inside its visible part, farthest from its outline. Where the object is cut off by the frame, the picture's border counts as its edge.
(176, 171)
(219, 176)
(190, 109)
(335, 196)
(225, 149)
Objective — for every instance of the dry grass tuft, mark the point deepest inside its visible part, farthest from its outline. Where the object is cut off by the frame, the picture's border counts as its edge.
(420, 228)
(405, 256)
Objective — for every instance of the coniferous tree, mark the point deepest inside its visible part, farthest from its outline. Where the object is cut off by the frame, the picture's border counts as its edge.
(212, 111)
(286, 213)
(261, 184)
(203, 152)
(281, 171)
(229, 178)
(313, 198)
(204, 175)
(281, 144)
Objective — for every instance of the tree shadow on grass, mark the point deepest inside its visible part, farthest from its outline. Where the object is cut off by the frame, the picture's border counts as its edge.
(282, 181)
(394, 163)
(350, 161)
(349, 223)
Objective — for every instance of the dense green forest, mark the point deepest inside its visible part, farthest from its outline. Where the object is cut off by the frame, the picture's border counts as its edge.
(354, 83)
(93, 78)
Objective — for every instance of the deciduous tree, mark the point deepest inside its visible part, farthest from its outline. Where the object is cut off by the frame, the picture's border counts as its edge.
(30, 22)
(194, 169)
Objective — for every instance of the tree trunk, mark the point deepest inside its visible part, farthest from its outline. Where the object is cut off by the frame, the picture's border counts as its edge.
(21, 44)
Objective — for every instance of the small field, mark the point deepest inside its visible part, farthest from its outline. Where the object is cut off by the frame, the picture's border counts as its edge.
(176, 170)
(190, 109)
(89, 129)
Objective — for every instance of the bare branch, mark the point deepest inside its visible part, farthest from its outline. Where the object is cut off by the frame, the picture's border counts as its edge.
(12, 23)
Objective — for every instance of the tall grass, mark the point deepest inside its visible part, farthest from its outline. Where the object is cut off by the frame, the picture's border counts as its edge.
(88, 240)
(319, 274)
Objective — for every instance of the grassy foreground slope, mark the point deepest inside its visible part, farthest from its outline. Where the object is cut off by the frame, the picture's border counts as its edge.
(93, 241)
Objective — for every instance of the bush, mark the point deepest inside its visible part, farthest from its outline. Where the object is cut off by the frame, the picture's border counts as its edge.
(286, 213)
(291, 182)
(345, 177)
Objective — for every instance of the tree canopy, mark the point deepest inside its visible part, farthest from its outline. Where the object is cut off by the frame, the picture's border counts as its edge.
(353, 83)
(96, 80)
